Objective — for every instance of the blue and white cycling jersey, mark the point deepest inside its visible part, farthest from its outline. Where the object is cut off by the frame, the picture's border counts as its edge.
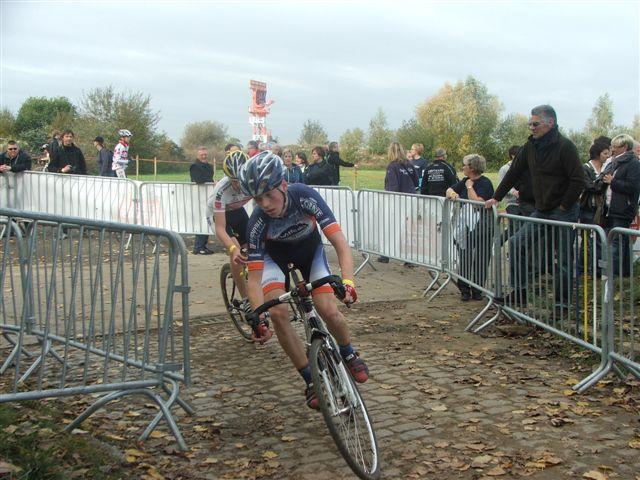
(296, 229)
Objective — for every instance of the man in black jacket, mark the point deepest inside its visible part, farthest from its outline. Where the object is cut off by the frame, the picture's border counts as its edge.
(438, 176)
(334, 161)
(558, 180)
(68, 158)
(623, 177)
(201, 171)
(14, 159)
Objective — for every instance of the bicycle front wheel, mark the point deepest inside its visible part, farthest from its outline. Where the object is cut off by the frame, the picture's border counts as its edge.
(344, 410)
(233, 302)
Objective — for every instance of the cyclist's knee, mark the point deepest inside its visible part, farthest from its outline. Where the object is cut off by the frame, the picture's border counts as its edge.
(279, 314)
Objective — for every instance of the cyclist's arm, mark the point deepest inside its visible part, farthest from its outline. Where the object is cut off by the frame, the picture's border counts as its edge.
(345, 258)
(220, 221)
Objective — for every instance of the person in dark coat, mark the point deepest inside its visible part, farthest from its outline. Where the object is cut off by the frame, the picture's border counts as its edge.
(623, 177)
(201, 172)
(68, 158)
(14, 159)
(438, 176)
(292, 172)
(318, 172)
(335, 162)
(103, 158)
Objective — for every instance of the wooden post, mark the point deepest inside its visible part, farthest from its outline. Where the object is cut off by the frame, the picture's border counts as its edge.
(137, 167)
(155, 169)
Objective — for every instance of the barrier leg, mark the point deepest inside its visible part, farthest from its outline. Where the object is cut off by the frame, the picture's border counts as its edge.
(16, 350)
(442, 286)
(47, 349)
(480, 315)
(595, 377)
(164, 411)
(173, 397)
(366, 261)
(435, 277)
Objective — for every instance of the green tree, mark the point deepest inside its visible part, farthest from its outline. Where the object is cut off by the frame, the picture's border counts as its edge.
(352, 145)
(312, 134)
(208, 133)
(379, 135)
(601, 120)
(463, 119)
(34, 120)
(512, 130)
(635, 127)
(582, 141)
(411, 132)
(103, 111)
(7, 125)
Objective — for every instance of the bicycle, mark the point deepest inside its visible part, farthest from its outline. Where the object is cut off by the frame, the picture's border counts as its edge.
(341, 405)
(233, 303)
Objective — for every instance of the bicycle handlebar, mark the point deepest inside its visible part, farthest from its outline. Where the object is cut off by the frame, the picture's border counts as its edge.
(303, 290)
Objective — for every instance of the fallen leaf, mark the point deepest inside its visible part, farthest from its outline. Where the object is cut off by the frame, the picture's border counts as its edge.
(289, 438)
(210, 460)
(270, 454)
(595, 475)
(496, 472)
(635, 443)
(439, 408)
(481, 461)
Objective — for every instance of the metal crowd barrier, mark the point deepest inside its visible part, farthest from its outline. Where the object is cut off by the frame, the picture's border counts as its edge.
(625, 328)
(95, 198)
(468, 250)
(342, 203)
(8, 183)
(83, 315)
(404, 227)
(180, 207)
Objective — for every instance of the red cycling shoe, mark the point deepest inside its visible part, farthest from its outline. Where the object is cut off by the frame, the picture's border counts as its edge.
(310, 395)
(261, 333)
(357, 367)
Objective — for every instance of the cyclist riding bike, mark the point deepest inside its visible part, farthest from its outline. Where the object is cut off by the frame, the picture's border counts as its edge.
(225, 210)
(283, 231)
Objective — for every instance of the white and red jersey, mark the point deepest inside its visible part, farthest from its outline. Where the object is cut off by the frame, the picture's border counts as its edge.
(120, 156)
(225, 198)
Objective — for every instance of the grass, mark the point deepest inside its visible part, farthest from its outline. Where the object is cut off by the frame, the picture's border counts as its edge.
(372, 179)
(32, 439)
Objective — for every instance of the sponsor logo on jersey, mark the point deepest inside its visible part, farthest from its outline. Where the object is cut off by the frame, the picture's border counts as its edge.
(312, 206)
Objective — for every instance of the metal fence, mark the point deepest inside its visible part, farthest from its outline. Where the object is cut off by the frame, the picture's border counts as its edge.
(82, 314)
(342, 203)
(624, 287)
(180, 207)
(95, 198)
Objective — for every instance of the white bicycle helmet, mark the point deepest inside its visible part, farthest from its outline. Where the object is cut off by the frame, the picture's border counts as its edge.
(262, 173)
(124, 133)
(233, 162)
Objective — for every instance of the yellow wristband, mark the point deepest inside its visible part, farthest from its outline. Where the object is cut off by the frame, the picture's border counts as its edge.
(348, 282)
(231, 248)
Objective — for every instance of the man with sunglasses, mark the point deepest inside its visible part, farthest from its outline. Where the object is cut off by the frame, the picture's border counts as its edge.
(14, 159)
(558, 180)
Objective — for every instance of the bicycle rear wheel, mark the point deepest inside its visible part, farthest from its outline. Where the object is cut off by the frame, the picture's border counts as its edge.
(344, 410)
(233, 302)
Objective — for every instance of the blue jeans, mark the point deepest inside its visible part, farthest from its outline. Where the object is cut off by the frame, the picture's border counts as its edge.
(620, 251)
(200, 242)
(548, 246)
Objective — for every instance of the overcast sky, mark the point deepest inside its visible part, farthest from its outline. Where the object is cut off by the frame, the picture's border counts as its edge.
(332, 61)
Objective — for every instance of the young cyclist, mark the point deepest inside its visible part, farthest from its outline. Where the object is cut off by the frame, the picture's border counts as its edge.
(228, 218)
(283, 231)
(121, 154)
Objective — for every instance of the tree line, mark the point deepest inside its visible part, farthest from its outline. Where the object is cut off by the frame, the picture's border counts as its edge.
(463, 117)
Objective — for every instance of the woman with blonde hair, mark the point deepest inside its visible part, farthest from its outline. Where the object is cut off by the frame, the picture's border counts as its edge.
(400, 177)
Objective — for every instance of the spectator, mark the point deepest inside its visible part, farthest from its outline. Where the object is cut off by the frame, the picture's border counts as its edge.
(623, 178)
(68, 158)
(318, 172)
(276, 149)
(104, 158)
(292, 172)
(201, 172)
(334, 161)
(231, 147)
(438, 176)
(592, 201)
(558, 180)
(301, 161)
(121, 154)
(511, 198)
(400, 176)
(418, 162)
(54, 143)
(252, 148)
(475, 231)
(14, 159)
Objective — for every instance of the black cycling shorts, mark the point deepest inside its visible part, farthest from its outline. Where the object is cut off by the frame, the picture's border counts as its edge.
(237, 221)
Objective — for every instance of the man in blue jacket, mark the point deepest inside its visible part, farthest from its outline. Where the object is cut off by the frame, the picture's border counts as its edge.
(14, 159)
